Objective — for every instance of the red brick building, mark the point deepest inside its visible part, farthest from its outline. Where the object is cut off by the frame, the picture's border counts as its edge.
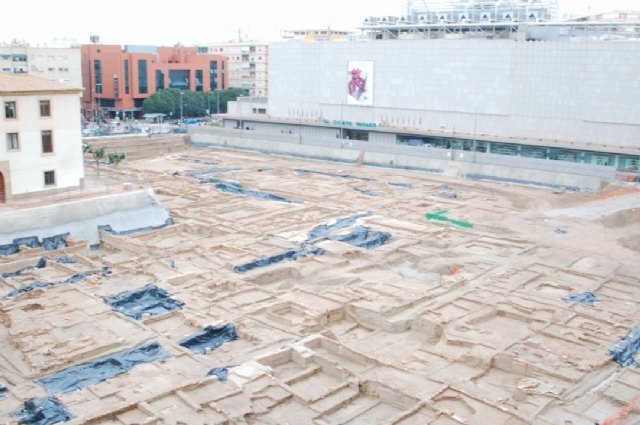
(118, 79)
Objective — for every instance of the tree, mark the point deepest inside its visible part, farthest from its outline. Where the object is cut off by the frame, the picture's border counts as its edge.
(97, 153)
(115, 158)
(194, 104)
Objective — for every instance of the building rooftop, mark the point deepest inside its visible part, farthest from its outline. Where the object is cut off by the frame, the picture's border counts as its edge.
(24, 84)
(309, 292)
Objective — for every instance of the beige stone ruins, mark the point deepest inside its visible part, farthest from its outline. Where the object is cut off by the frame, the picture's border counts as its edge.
(441, 325)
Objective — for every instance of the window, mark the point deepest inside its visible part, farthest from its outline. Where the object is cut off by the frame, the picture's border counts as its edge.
(159, 79)
(179, 79)
(97, 75)
(199, 78)
(45, 108)
(10, 110)
(49, 178)
(213, 75)
(126, 76)
(47, 141)
(143, 86)
(13, 143)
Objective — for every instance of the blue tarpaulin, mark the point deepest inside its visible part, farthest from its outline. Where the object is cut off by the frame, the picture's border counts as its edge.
(367, 192)
(364, 237)
(51, 243)
(199, 173)
(149, 299)
(221, 372)
(624, 352)
(107, 228)
(360, 236)
(403, 185)
(209, 338)
(28, 288)
(73, 279)
(41, 263)
(235, 187)
(291, 254)
(80, 376)
(42, 411)
(332, 174)
(323, 230)
(3, 392)
(588, 298)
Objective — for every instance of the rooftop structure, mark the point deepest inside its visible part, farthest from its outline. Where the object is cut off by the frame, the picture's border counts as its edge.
(317, 34)
(497, 19)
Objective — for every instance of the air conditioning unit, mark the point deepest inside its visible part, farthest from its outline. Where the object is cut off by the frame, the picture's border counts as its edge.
(443, 18)
(509, 16)
(532, 16)
(463, 18)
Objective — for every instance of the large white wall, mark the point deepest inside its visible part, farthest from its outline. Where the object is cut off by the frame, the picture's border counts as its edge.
(584, 91)
(28, 164)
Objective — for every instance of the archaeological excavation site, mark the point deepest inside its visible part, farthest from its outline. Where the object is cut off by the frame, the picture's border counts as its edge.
(213, 285)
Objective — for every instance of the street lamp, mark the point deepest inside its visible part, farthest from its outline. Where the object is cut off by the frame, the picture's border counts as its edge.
(218, 101)
(181, 93)
(97, 91)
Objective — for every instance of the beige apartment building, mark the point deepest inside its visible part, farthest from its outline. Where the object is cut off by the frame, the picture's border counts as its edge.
(40, 139)
(248, 66)
(52, 63)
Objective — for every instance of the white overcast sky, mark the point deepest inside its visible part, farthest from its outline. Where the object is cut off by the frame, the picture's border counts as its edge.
(195, 21)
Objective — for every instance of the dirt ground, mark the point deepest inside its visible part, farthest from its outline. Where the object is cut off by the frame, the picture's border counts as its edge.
(440, 323)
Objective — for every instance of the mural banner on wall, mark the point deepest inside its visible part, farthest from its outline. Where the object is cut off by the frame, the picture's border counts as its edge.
(360, 83)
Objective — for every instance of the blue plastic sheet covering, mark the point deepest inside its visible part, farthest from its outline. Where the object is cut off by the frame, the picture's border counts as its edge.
(624, 352)
(209, 338)
(196, 174)
(197, 161)
(360, 236)
(221, 372)
(323, 230)
(237, 189)
(367, 192)
(588, 298)
(364, 237)
(41, 263)
(291, 254)
(80, 376)
(49, 244)
(330, 174)
(3, 392)
(104, 272)
(42, 411)
(402, 185)
(107, 228)
(146, 300)
(170, 262)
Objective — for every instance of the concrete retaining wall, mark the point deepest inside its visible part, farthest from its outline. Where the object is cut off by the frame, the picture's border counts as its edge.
(123, 211)
(416, 158)
(137, 147)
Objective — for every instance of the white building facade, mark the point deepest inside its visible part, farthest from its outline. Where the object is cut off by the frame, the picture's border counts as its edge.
(55, 64)
(248, 66)
(40, 136)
